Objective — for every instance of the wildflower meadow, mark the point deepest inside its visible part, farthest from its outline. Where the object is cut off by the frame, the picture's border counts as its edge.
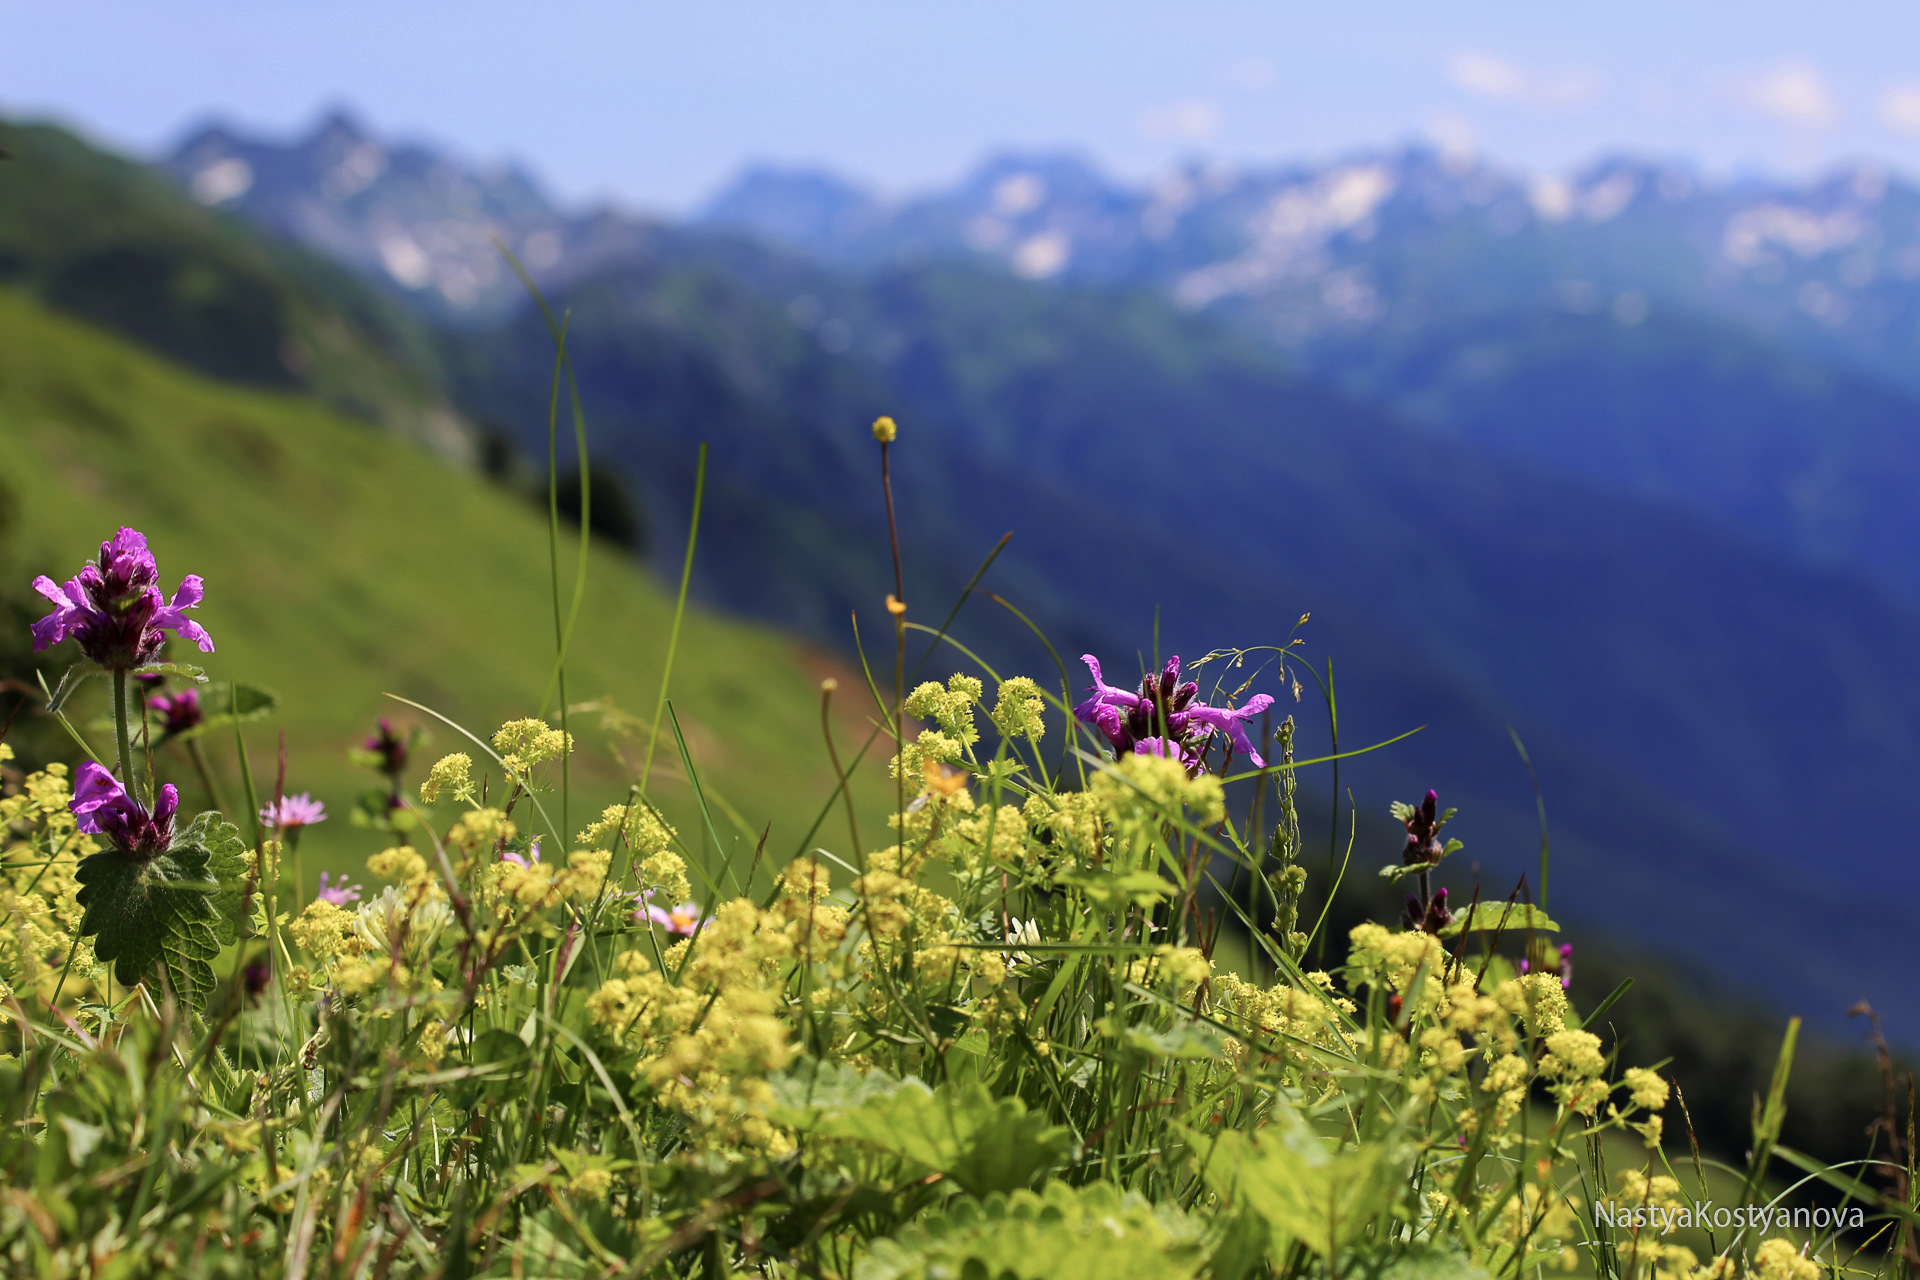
(1072, 1015)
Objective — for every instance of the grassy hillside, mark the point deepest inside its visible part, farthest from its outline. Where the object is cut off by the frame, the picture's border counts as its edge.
(341, 563)
(104, 238)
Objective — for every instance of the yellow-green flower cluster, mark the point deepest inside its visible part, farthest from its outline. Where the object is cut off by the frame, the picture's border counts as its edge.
(39, 887)
(707, 1042)
(635, 824)
(1141, 794)
(451, 775)
(525, 745)
(1018, 711)
(951, 707)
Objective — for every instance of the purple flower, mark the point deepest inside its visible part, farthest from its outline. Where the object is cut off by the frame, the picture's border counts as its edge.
(1432, 915)
(390, 747)
(527, 859)
(114, 607)
(1563, 968)
(1165, 717)
(683, 920)
(1231, 721)
(180, 711)
(103, 807)
(256, 976)
(340, 893)
(1423, 832)
(290, 813)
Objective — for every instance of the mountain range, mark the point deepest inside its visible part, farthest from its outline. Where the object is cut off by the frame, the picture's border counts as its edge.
(1574, 458)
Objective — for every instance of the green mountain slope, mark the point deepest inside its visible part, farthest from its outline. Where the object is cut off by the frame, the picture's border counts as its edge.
(341, 562)
(106, 239)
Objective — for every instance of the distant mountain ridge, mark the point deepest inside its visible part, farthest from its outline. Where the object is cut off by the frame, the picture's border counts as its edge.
(1715, 677)
(1393, 241)
(427, 225)
(1606, 324)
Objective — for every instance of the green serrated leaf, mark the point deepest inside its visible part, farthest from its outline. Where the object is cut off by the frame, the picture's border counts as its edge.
(811, 1089)
(981, 1142)
(156, 912)
(227, 705)
(229, 862)
(1063, 1233)
(1303, 1188)
(1500, 917)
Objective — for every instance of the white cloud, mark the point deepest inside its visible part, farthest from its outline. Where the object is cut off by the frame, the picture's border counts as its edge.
(1795, 95)
(1194, 120)
(1900, 109)
(1487, 76)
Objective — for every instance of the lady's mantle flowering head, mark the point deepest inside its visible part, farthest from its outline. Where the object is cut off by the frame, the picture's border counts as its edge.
(114, 607)
(103, 807)
(178, 712)
(290, 813)
(1165, 717)
(340, 893)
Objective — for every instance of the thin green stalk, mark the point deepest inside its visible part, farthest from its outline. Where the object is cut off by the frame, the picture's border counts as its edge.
(827, 687)
(121, 735)
(679, 613)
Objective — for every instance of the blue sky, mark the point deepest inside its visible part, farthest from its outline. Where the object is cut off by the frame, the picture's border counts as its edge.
(657, 104)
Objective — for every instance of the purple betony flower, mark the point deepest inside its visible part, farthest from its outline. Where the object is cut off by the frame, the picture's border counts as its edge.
(178, 711)
(1423, 832)
(390, 747)
(290, 813)
(115, 609)
(103, 807)
(1165, 717)
(1564, 967)
(340, 893)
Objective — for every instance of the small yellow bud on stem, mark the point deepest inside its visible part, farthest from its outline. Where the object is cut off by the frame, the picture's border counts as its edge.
(884, 430)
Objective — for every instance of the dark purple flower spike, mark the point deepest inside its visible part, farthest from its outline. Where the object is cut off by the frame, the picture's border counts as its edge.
(103, 807)
(114, 607)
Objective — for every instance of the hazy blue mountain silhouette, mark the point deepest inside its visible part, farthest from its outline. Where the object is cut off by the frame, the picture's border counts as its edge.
(1708, 653)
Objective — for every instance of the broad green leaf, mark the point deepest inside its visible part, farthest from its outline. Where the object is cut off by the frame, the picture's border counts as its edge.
(1191, 1040)
(1303, 1189)
(1090, 1233)
(810, 1090)
(227, 705)
(1433, 1264)
(982, 1143)
(156, 912)
(229, 862)
(1516, 917)
(1115, 892)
